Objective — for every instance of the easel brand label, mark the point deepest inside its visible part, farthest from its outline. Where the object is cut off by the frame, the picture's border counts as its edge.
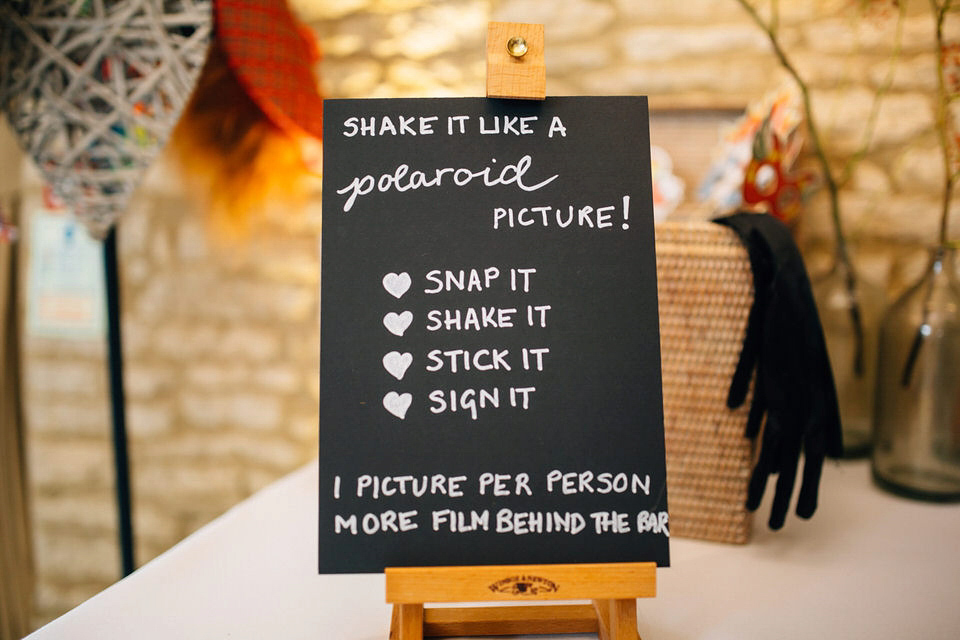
(524, 586)
(490, 381)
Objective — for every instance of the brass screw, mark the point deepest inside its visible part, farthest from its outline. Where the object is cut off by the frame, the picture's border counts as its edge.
(517, 46)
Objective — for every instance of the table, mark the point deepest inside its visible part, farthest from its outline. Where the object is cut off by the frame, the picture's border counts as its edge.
(867, 565)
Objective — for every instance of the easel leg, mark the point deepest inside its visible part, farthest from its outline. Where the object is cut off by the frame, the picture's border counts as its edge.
(407, 622)
(617, 618)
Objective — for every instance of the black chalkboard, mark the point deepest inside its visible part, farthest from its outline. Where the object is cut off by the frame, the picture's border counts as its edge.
(489, 356)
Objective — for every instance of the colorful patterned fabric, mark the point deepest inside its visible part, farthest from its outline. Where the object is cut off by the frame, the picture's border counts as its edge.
(272, 55)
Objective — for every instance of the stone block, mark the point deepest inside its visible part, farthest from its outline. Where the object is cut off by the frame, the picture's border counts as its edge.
(257, 412)
(156, 301)
(145, 380)
(181, 341)
(147, 550)
(449, 71)
(437, 29)
(915, 73)
(251, 300)
(70, 464)
(215, 375)
(137, 334)
(313, 386)
(191, 238)
(919, 168)
(291, 303)
(204, 409)
(241, 409)
(352, 79)
(690, 11)
(201, 516)
(68, 417)
(302, 346)
(903, 117)
(135, 271)
(276, 454)
(149, 419)
(249, 342)
(562, 87)
(851, 34)
(841, 115)
(55, 597)
(309, 11)
(86, 512)
(830, 70)
(649, 44)
(393, 6)
(238, 449)
(301, 268)
(562, 20)
(304, 427)
(67, 556)
(342, 45)
(160, 251)
(41, 348)
(869, 176)
(816, 225)
(908, 217)
(134, 233)
(154, 524)
(306, 219)
(256, 479)
(186, 484)
(278, 378)
(574, 58)
(411, 75)
(717, 78)
(69, 377)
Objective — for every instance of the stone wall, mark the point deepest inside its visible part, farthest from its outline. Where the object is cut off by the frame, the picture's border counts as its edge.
(221, 359)
(221, 343)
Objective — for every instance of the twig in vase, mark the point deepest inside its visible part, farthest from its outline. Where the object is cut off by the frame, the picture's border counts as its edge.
(842, 253)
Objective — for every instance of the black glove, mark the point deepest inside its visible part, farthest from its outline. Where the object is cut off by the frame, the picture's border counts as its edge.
(794, 384)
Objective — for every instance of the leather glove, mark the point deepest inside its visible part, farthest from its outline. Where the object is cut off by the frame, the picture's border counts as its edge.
(794, 390)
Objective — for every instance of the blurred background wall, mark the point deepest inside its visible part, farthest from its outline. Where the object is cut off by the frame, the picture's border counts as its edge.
(221, 341)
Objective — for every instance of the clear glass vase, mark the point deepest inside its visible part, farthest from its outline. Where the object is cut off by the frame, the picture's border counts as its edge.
(917, 413)
(852, 355)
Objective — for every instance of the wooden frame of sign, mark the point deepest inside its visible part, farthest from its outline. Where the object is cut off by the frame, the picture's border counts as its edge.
(516, 70)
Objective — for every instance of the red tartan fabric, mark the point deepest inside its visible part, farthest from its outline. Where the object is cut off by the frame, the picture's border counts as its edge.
(272, 56)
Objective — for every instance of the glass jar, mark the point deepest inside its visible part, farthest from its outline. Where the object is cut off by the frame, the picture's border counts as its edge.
(853, 365)
(917, 413)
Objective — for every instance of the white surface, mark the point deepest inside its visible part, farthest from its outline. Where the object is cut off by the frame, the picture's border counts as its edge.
(867, 565)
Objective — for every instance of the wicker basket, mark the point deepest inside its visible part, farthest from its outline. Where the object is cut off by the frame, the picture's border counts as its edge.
(705, 291)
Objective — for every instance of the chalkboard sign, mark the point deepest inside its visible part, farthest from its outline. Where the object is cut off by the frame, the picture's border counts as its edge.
(489, 356)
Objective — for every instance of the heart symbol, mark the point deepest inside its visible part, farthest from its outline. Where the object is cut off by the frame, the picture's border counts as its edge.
(397, 323)
(93, 99)
(396, 363)
(397, 403)
(396, 284)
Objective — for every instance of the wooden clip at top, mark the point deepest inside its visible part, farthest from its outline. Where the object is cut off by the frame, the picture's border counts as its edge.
(515, 65)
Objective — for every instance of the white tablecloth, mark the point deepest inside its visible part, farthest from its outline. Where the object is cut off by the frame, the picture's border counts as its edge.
(868, 565)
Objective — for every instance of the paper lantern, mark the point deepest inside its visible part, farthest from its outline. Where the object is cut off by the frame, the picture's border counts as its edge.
(93, 88)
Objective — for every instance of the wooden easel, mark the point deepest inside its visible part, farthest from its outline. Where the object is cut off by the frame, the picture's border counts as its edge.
(613, 588)
(515, 69)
